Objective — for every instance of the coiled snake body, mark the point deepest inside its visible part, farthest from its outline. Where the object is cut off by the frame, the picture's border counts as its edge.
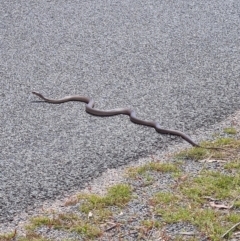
(125, 111)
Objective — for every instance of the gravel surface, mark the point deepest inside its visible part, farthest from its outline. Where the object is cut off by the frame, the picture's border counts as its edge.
(136, 210)
(176, 62)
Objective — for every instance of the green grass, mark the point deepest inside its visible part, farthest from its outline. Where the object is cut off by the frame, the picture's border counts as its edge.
(230, 131)
(118, 195)
(40, 221)
(164, 198)
(233, 165)
(133, 172)
(194, 153)
(214, 184)
(188, 203)
(230, 147)
(68, 222)
(227, 142)
(209, 221)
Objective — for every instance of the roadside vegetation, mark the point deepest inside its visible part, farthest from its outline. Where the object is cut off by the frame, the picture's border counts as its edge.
(207, 200)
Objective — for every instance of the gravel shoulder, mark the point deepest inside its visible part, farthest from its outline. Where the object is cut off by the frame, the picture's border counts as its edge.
(129, 219)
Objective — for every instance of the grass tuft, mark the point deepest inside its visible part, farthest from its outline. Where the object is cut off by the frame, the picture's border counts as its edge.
(164, 198)
(235, 164)
(194, 153)
(118, 195)
(133, 172)
(68, 222)
(198, 153)
(230, 131)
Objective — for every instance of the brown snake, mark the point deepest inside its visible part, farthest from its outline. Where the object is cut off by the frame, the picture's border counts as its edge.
(125, 111)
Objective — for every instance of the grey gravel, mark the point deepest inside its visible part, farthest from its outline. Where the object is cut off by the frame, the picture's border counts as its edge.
(138, 209)
(176, 62)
